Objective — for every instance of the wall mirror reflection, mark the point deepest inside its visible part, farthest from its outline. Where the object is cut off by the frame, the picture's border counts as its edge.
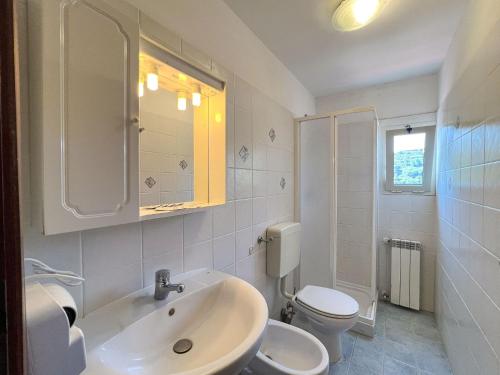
(175, 101)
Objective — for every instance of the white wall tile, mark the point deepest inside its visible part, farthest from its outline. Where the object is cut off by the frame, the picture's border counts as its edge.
(101, 289)
(243, 213)
(162, 236)
(259, 210)
(114, 247)
(467, 294)
(230, 184)
(491, 141)
(230, 154)
(197, 227)
(224, 219)
(259, 181)
(224, 251)
(492, 184)
(243, 183)
(244, 240)
(243, 138)
(243, 94)
(198, 256)
(477, 184)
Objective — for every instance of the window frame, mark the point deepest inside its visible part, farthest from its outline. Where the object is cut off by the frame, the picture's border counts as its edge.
(428, 173)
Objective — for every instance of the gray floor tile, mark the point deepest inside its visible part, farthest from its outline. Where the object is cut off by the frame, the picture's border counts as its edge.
(366, 361)
(375, 344)
(434, 364)
(348, 341)
(339, 368)
(401, 335)
(380, 329)
(399, 351)
(393, 367)
(406, 342)
(427, 333)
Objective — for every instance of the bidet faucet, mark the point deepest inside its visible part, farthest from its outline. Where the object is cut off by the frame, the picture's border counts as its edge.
(163, 286)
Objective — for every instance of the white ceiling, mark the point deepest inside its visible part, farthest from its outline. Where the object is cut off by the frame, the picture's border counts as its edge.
(410, 38)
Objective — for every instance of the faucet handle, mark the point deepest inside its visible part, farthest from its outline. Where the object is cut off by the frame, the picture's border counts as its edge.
(162, 275)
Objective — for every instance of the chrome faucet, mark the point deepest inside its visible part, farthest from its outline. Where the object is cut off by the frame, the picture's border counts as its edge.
(163, 286)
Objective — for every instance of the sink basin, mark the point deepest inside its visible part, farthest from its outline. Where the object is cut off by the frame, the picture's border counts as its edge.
(223, 323)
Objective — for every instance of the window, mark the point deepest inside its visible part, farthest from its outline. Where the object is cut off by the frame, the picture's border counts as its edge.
(409, 160)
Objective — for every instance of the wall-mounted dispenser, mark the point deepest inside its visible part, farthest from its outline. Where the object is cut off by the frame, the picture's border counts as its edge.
(54, 344)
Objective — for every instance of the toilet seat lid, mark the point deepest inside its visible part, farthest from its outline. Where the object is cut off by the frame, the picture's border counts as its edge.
(328, 301)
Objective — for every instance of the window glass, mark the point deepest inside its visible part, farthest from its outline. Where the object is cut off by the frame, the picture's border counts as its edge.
(409, 150)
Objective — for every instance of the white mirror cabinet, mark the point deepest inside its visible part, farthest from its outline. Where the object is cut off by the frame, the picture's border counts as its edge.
(95, 112)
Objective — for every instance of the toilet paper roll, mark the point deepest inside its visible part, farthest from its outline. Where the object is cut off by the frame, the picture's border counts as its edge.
(64, 299)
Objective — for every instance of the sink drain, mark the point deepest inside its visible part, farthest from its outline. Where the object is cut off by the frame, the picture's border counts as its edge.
(183, 346)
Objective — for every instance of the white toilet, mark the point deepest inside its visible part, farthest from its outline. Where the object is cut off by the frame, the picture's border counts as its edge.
(324, 312)
(288, 350)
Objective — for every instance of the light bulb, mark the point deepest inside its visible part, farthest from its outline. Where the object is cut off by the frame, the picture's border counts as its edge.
(141, 89)
(218, 118)
(182, 77)
(196, 99)
(354, 14)
(364, 10)
(181, 101)
(152, 81)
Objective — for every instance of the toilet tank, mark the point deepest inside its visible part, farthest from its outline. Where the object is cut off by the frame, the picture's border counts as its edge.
(283, 251)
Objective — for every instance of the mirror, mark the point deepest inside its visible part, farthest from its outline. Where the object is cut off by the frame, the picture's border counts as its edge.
(174, 100)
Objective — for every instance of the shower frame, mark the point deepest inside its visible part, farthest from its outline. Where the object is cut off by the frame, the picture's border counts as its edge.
(366, 324)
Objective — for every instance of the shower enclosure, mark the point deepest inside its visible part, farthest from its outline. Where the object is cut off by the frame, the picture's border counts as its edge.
(336, 179)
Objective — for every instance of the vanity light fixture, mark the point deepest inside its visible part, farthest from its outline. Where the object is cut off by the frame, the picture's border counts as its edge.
(181, 101)
(196, 97)
(152, 80)
(352, 15)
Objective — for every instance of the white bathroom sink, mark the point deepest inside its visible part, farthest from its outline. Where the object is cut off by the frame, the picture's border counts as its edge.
(225, 322)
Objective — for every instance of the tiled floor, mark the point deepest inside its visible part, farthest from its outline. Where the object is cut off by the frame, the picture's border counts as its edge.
(406, 343)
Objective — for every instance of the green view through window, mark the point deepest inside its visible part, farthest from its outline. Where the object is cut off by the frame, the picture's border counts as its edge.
(409, 150)
(409, 159)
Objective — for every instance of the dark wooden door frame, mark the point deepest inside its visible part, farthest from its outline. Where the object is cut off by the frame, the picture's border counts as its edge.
(11, 280)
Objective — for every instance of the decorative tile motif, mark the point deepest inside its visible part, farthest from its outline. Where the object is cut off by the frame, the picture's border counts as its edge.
(183, 164)
(244, 153)
(150, 182)
(272, 134)
(283, 183)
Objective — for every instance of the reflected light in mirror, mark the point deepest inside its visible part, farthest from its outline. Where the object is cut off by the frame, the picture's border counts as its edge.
(181, 101)
(152, 81)
(141, 89)
(196, 98)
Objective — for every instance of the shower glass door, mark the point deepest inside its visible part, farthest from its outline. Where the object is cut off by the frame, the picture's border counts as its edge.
(315, 175)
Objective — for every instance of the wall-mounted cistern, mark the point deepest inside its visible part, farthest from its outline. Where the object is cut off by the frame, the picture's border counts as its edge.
(163, 286)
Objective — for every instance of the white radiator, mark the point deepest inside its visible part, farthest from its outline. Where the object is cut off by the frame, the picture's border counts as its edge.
(405, 273)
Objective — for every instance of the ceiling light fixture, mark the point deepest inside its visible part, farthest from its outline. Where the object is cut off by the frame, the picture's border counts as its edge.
(354, 14)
